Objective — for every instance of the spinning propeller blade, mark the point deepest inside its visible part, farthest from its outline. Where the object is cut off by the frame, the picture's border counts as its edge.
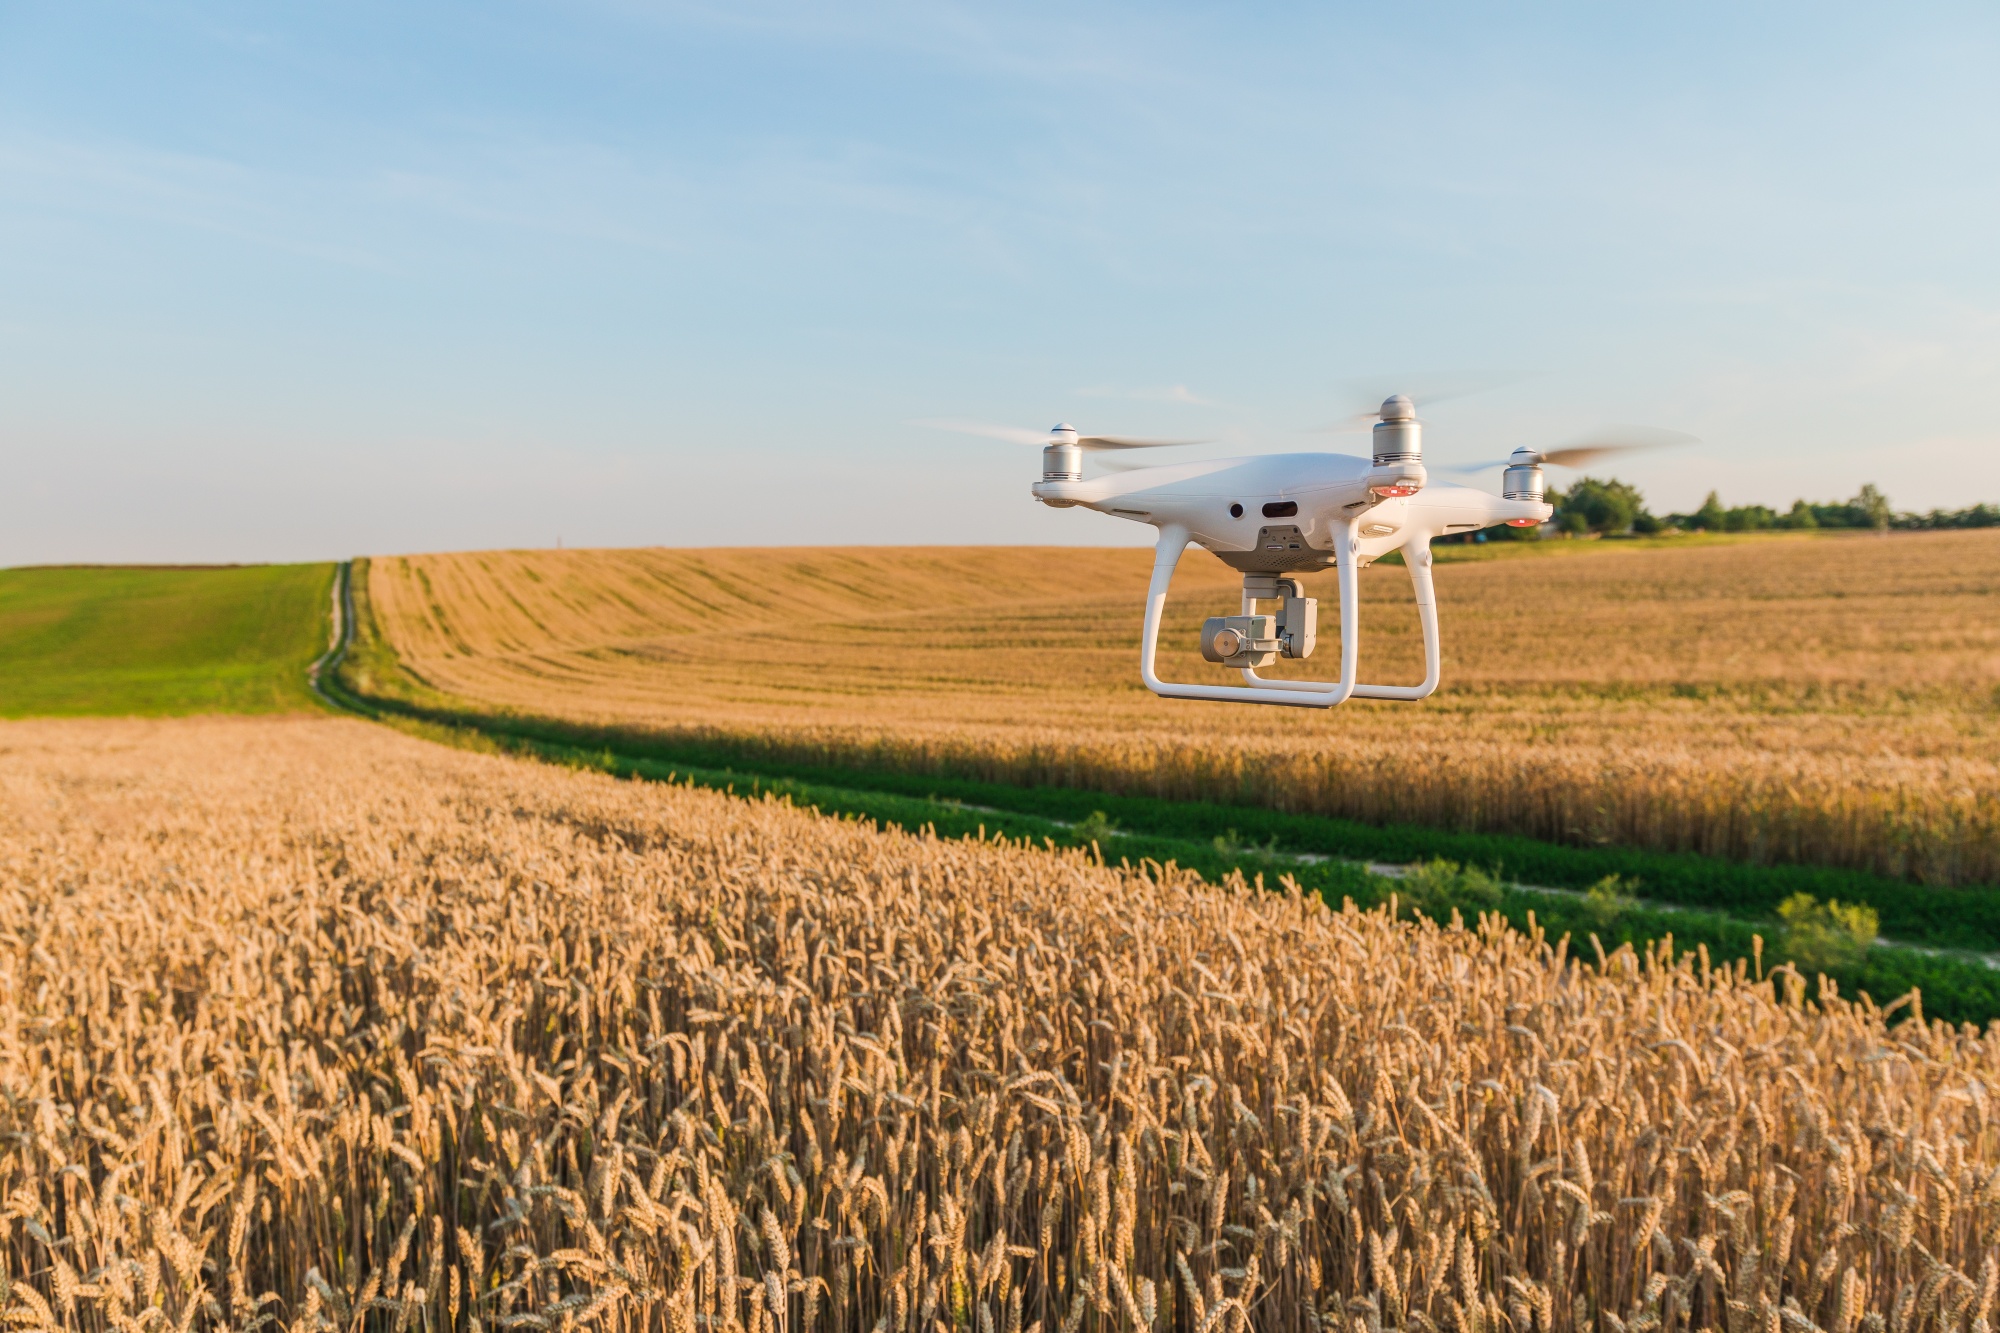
(1126, 464)
(1022, 435)
(1424, 390)
(1011, 434)
(1601, 443)
(1127, 442)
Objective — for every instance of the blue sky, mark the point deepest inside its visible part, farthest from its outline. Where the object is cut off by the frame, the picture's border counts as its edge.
(298, 281)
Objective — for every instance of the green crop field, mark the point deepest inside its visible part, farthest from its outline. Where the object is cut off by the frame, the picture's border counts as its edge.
(140, 640)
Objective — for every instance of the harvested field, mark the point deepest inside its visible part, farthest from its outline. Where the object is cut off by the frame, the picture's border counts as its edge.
(1826, 700)
(308, 1022)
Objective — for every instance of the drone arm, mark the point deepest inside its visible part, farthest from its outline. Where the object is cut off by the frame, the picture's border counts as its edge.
(1173, 541)
(1417, 554)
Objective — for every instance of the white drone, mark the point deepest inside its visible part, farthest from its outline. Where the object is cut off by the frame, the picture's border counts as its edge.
(1273, 516)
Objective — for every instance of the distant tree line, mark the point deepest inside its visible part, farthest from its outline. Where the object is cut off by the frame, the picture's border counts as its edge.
(1615, 508)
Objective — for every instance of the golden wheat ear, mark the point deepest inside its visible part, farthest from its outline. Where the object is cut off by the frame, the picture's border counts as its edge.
(312, 1024)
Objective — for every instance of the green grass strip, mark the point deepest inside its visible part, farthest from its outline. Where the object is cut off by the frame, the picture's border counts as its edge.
(1955, 988)
(1966, 918)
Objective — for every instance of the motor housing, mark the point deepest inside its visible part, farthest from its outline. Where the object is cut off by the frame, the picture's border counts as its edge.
(1523, 479)
(1399, 451)
(1062, 459)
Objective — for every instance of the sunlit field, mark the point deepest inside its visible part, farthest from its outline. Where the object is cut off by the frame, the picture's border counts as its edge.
(160, 640)
(310, 1022)
(1822, 699)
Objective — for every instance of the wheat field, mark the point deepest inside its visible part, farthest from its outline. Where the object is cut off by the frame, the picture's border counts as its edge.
(1831, 700)
(310, 1025)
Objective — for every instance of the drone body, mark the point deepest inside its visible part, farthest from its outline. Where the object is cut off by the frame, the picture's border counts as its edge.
(1283, 513)
(1274, 516)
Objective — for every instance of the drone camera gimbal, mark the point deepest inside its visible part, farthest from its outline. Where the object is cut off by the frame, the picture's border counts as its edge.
(1251, 640)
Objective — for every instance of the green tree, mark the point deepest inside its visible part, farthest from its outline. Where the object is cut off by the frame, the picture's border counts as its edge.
(1710, 517)
(1606, 506)
(1749, 518)
(1800, 516)
(1978, 516)
(1873, 506)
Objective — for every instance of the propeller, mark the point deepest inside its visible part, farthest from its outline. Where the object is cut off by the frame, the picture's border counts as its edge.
(1022, 435)
(1602, 443)
(1126, 464)
(1425, 389)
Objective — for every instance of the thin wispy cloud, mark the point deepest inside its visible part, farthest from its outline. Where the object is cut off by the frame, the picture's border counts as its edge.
(151, 187)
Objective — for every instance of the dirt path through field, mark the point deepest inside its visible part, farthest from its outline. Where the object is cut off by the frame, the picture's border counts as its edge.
(340, 633)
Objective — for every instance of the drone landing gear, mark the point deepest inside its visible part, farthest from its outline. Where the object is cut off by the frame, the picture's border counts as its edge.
(1257, 639)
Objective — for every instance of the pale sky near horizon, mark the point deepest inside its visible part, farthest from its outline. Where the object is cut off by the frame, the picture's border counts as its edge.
(306, 281)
